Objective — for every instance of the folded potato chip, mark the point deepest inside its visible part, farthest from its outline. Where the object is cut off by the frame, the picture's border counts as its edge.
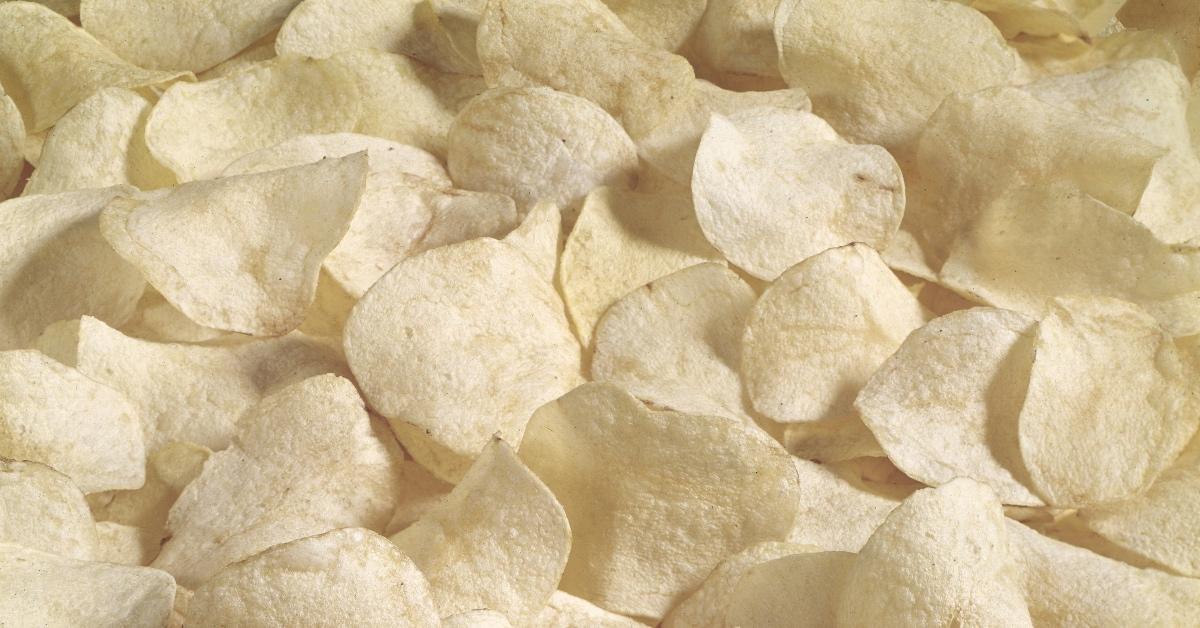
(343, 575)
(54, 265)
(168, 471)
(241, 253)
(511, 350)
(1110, 403)
(45, 511)
(306, 460)
(98, 143)
(706, 606)
(12, 139)
(608, 459)
(567, 611)
(499, 540)
(48, 590)
(768, 204)
(942, 557)
(800, 590)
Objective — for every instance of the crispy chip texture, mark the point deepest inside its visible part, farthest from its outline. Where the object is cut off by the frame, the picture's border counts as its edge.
(737, 37)
(802, 590)
(567, 611)
(476, 618)
(838, 509)
(609, 460)
(37, 44)
(665, 24)
(1048, 17)
(705, 607)
(54, 265)
(1110, 403)
(12, 139)
(1179, 19)
(346, 575)
(305, 460)
(510, 351)
(941, 557)
(385, 156)
(499, 540)
(168, 471)
(52, 414)
(775, 186)
(44, 510)
(126, 545)
(47, 590)
(241, 253)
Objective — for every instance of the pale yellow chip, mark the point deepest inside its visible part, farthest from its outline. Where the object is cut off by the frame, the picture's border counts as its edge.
(261, 50)
(45, 511)
(1110, 403)
(536, 144)
(98, 143)
(820, 330)
(567, 611)
(155, 319)
(946, 404)
(305, 460)
(831, 440)
(66, 8)
(343, 575)
(386, 158)
(665, 24)
(12, 140)
(705, 607)
(126, 545)
(241, 253)
(839, 509)
(476, 618)
(499, 540)
(941, 557)
(52, 414)
(419, 491)
(869, 71)
(510, 351)
(798, 591)
(168, 471)
(1082, 18)
(624, 240)
(50, 65)
(775, 186)
(48, 590)
(55, 265)
(635, 483)
(1178, 19)
(736, 37)
(539, 237)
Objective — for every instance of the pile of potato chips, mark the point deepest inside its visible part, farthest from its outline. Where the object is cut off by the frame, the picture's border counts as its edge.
(600, 313)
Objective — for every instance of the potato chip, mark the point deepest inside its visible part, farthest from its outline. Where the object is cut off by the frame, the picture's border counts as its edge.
(941, 557)
(867, 70)
(793, 591)
(126, 545)
(1109, 405)
(1069, 586)
(327, 579)
(37, 44)
(537, 144)
(539, 237)
(665, 24)
(1082, 18)
(624, 240)
(52, 414)
(511, 349)
(197, 129)
(946, 404)
(820, 330)
(305, 460)
(168, 471)
(838, 509)
(1177, 19)
(241, 253)
(12, 139)
(260, 50)
(181, 35)
(831, 440)
(54, 265)
(677, 333)
(419, 491)
(567, 611)
(1063, 54)
(499, 540)
(385, 157)
(640, 486)
(156, 320)
(737, 37)
(477, 618)
(705, 607)
(48, 590)
(98, 143)
(45, 511)
(768, 204)
(66, 8)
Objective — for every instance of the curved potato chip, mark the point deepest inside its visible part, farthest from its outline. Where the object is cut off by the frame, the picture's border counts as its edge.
(54, 265)
(737, 37)
(510, 352)
(45, 511)
(820, 330)
(98, 143)
(681, 332)
(241, 253)
(197, 129)
(624, 240)
(48, 590)
(261, 50)
(1080, 18)
(52, 414)
(126, 545)
(182, 34)
(65, 8)
(12, 139)
(567, 611)
(941, 557)
(665, 24)
(1110, 403)
(305, 460)
(946, 404)
(705, 607)
(1069, 586)
(419, 492)
(156, 320)
(775, 186)
(499, 540)
(539, 237)
(477, 618)
(50, 65)
(832, 440)
(384, 156)
(1176, 18)
(537, 144)
(607, 458)
(328, 579)
(838, 512)
(793, 591)
(869, 75)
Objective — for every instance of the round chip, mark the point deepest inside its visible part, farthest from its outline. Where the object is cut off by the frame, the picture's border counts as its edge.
(45, 511)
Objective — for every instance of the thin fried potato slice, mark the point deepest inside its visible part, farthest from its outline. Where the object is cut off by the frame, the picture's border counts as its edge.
(45, 511)
(386, 157)
(476, 618)
(802, 590)
(539, 237)
(567, 611)
(155, 319)
(706, 606)
(736, 37)
(1179, 19)
(665, 24)
(126, 545)
(838, 509)
(1079, 18)
(12, 139)
(168, 471)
